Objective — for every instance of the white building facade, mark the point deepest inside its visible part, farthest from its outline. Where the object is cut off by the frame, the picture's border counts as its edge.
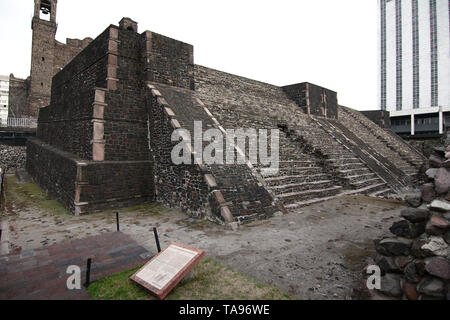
(414, 67)
(4, 99)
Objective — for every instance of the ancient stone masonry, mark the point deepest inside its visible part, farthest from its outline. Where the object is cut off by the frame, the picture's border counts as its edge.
(379, 117)
(95, 102)
(230, 193)
(105, 140)
(415, 262)
(313, 99)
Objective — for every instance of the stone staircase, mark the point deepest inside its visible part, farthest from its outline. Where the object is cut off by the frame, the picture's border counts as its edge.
(301, 178)
(347, 167)
(385, 141)
(240, 103)
(319, 158)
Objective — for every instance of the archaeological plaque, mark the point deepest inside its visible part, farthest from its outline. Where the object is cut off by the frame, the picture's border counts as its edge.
(162, 273)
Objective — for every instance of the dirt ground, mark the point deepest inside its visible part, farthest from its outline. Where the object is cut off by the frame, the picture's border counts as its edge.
(315, 252)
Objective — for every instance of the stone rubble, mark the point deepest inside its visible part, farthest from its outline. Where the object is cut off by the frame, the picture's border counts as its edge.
(415, 264)
(12, 158)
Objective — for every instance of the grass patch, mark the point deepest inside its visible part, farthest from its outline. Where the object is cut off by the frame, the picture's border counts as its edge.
(211, 281)
(25, 194)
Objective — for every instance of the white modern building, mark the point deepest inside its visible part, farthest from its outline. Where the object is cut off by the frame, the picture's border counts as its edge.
(4, 99)
(414, 69)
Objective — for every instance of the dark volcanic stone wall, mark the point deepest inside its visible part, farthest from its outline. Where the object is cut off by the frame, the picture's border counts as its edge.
(96, 126)
(321, 101)
(66, 123)
(171, 61)
(53, 170)
(180, 186)
(380, 117)
(125, 115)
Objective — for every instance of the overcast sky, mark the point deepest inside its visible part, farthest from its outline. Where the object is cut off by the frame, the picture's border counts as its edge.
(327, 42)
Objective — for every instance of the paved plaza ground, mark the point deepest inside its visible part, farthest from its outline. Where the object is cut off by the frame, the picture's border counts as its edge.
(315, 252)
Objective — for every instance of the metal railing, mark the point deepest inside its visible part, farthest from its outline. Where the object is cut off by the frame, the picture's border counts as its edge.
(20, 123)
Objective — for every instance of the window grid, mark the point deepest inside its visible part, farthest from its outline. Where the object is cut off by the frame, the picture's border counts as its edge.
(416, 53)
(383, 54)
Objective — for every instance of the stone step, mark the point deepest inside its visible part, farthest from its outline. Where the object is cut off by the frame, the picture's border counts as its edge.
(289, 179)
(364, 183)
(381, 193)
(347, 166)
(305, 203)
(267, 172)
(295, 164)
(369, 189)
(296, 187)
(359, 176)
(352, 172)
(288, 198)
(343, 155)
(343, 160)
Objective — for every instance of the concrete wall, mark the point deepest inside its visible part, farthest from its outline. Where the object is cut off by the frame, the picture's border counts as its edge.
(18, 97)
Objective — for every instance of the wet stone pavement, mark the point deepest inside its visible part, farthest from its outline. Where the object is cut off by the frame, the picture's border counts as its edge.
(41, 274)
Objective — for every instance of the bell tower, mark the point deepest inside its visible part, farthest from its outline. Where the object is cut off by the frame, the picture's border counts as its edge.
(42, 54)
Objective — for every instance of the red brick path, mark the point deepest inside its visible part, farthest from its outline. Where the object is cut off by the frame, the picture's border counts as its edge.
(41, 273)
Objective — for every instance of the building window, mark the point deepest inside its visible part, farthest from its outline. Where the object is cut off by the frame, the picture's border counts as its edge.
(398, 50)
(434, 54)
(383, 54)
(416, 54)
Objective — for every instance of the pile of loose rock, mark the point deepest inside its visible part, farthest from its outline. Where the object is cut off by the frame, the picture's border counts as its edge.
(415, 263)
(12, 158)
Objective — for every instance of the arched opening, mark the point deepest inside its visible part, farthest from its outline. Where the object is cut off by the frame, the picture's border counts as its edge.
(46, 9)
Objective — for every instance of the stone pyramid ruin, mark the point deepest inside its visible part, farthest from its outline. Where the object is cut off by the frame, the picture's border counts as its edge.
(105, 140)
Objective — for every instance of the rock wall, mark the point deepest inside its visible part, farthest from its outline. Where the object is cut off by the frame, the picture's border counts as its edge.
(12, 158)
(95, 129)
(416, 261)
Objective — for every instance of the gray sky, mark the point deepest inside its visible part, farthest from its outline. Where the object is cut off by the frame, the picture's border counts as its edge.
(327, 42)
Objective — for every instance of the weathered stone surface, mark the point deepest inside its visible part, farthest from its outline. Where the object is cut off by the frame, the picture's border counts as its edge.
(407, 229)
(442, 181)
(446, 163)
(439, 222)
(386, 264)
(414, 199)
(440, 151)
(410, 291)
(428, 193)
(431, 173)
(420, 267)
(415, 215)
(402, 261)
(394, 247)
(417, 251)
(432, 230)
(432, 287)
(440, 205)
(12, 158)
(447, 237)
(436, 246)
(439, 267)
(435, 161)
(390, 285)
(411, 273)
